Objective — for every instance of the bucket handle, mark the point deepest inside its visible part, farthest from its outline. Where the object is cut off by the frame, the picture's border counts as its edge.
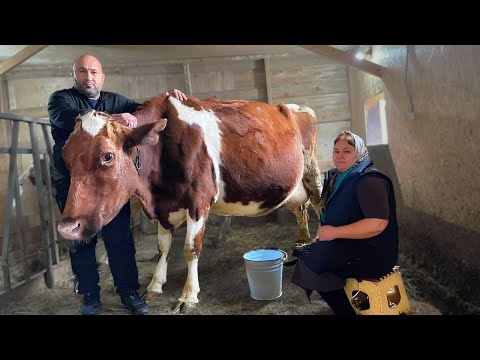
(285, 255)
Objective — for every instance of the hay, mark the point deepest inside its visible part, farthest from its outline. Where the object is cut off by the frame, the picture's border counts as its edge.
(223, 282)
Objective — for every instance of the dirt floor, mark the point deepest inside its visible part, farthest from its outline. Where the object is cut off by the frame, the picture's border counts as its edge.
(224, 288)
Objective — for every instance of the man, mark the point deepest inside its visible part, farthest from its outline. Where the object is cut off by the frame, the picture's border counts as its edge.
(63, 107)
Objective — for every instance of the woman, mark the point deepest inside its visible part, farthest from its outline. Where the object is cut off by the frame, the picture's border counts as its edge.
(358, 233)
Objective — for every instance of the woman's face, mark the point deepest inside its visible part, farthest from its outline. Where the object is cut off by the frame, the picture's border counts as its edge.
(343, 155)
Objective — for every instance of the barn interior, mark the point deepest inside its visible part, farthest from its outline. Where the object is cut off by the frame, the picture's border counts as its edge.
(415, 106)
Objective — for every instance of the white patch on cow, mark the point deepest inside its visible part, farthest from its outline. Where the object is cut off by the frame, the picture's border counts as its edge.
(92, 122)
(177, 218)
(293, 107)
(194, 228)
(297, 197)
(238, 209)
(160, 274)
(208, 122)
(298, 108)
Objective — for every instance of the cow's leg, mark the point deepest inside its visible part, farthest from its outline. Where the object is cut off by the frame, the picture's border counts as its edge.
(154, 289)
(301, 215)
(312, 179)
(298, 203)
(191, 251)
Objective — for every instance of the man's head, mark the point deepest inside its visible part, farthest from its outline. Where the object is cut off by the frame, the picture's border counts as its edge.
(88, 76)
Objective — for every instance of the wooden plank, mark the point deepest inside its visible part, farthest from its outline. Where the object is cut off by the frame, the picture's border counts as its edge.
(234, 66)
(34, 93)
(124, 70)
(23, 55)
(249, 94)
(226, 80)
(145, 87)
(293, 61)
(326, 133)
(347, 59)
(329, 107)
(212, 81)
(36, 72)
(300, 74)
(252, 62)
(309, 88)
(39, 112)
(138, 70)
(249, 80)
(268, 79)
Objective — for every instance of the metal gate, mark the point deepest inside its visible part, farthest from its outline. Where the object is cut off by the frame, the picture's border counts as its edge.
(48, 249)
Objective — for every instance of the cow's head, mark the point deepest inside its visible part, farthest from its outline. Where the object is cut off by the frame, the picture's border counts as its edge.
(98, 154)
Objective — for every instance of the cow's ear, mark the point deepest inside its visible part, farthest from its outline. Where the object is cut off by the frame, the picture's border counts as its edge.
(145, 134)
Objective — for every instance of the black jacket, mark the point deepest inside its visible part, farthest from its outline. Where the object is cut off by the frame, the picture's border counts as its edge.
(383, 246)
(63, 108)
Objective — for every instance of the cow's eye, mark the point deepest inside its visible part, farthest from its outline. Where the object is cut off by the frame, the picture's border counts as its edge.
(107, 157)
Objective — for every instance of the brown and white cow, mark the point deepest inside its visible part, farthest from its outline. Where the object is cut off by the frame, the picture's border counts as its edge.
(186, 160)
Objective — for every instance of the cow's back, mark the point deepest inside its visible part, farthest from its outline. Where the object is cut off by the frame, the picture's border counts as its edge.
(236, 157)
(261, 159)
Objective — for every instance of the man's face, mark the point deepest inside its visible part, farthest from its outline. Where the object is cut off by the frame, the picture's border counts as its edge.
(88, 77)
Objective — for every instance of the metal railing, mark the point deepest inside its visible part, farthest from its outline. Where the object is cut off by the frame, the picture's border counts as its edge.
(48, 231)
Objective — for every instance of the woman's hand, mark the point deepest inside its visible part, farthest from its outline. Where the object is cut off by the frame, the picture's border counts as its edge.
(326, 233)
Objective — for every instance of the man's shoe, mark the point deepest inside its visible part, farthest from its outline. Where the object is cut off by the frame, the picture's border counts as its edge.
(134, 303)
(91, 304)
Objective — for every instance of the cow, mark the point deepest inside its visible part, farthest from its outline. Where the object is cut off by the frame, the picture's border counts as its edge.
(186, 160)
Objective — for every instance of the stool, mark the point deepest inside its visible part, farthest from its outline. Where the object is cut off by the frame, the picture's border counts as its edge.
(384, 296)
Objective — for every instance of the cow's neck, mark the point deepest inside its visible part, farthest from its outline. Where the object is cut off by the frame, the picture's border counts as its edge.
(142, 190)
(156, 109)
(144, 194)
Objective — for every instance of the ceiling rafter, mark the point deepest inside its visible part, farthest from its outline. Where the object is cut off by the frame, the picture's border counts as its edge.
(26, 53)
(347, 58)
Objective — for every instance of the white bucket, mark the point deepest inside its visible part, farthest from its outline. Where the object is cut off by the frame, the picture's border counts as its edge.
(264, 272)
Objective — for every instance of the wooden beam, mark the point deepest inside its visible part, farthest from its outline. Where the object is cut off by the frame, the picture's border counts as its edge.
(26, 53)
(347, 59)
(38, 112)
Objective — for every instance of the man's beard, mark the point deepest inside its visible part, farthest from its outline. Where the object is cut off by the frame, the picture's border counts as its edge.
(90, 93)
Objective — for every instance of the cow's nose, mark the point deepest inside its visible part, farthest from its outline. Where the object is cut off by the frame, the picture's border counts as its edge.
(71, 229)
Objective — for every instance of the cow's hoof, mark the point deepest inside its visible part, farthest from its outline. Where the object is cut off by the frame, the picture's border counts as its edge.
(185, 308)
(151, 295)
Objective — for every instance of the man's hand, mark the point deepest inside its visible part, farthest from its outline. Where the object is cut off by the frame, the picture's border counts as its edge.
(126, 119)
(177, 94)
